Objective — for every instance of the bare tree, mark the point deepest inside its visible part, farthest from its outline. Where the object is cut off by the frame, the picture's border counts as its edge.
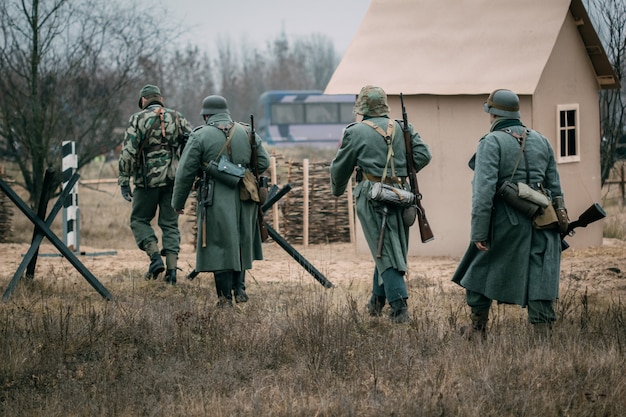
(188, 81)
(610, 20)
(66, 67)
(243, 75)
(319, 57)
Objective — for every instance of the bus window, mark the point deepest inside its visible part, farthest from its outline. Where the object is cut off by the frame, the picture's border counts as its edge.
(322, 113)
(287, 114)
(346, 112)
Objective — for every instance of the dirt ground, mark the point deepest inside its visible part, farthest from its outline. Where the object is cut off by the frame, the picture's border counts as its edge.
(601, 272)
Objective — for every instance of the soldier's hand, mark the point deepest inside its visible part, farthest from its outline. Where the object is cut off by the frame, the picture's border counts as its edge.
(482, 246)
(126, 193)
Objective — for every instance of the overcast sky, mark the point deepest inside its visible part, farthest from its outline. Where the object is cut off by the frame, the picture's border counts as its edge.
(258, 21)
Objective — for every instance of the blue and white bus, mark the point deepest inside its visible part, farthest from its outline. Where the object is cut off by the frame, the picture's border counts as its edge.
(304, 117)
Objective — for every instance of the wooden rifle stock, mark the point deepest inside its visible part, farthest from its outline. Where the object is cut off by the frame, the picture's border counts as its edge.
(594, 213)
(426, 232)
(255, 171)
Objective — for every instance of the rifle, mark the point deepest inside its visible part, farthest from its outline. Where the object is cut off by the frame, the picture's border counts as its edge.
(183, 139)
(426, 232)
(254, 165)
(594, 213)
(205, 199)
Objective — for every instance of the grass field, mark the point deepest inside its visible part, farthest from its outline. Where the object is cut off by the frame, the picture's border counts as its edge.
(297, 349)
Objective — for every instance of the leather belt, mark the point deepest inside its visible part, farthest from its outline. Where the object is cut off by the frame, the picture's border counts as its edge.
(388, 180)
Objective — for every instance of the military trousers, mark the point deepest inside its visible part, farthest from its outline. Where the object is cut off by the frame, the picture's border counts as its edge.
(146, 203)
(393, 287)
(539, 311)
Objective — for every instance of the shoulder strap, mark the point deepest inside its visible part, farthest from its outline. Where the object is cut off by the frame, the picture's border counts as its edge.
(522, 140)
(381, 132)
(228, 139)
(388, 136)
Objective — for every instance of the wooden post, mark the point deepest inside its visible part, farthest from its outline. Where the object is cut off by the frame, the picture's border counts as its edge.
(305, 202)
(71, 212)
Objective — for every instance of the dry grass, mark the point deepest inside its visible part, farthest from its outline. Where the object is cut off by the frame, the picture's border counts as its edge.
(297, 349)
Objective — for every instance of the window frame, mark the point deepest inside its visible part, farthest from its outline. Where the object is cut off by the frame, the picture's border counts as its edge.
(564, 108)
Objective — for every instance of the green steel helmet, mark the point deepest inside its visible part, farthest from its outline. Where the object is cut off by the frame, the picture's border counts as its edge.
(504, 103)
(372, 101)
(214, 105)
(148, 92)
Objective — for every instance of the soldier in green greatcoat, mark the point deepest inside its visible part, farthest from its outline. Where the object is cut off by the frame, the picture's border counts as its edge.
(150, 156)
(508, 259)
(365, 147)
(229, 238)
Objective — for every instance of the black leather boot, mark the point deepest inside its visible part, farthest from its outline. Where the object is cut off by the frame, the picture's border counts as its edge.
(399, 311)
(542, 331)
(224, 288)
(170, 276)
(156, 266)
(239, 286)
(478, 326)
(375, 305)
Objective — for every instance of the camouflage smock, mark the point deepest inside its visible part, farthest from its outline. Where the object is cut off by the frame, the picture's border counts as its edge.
(160, 145)
(233, 239)
(522, 263)
(364, 147)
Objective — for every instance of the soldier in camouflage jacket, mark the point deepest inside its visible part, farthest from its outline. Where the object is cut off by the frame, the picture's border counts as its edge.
(150, 155)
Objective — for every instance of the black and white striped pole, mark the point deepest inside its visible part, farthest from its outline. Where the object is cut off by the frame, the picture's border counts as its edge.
(71, 212)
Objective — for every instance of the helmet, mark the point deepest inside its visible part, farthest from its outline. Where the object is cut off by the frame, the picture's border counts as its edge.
(503, 103)
(372, 101)
(214, 105)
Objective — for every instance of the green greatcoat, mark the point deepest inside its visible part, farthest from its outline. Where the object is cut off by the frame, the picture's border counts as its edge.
(233, 238)
(363, 147)
(522, 263)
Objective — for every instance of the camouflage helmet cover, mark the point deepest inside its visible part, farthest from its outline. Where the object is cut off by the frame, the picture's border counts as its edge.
(149, 91)
(213, 105)
(504, 103)
(371, 101)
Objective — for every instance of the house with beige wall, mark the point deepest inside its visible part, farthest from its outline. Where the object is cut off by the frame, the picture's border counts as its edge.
(446, 56)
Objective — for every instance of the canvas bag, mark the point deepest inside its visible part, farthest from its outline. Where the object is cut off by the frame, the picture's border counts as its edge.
(250, 189)
(547, 218)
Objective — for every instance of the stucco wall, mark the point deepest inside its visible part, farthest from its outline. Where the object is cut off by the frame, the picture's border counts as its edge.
(569, 79)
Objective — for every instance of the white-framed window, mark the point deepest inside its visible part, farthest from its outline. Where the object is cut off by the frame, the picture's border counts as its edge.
(568, 133)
